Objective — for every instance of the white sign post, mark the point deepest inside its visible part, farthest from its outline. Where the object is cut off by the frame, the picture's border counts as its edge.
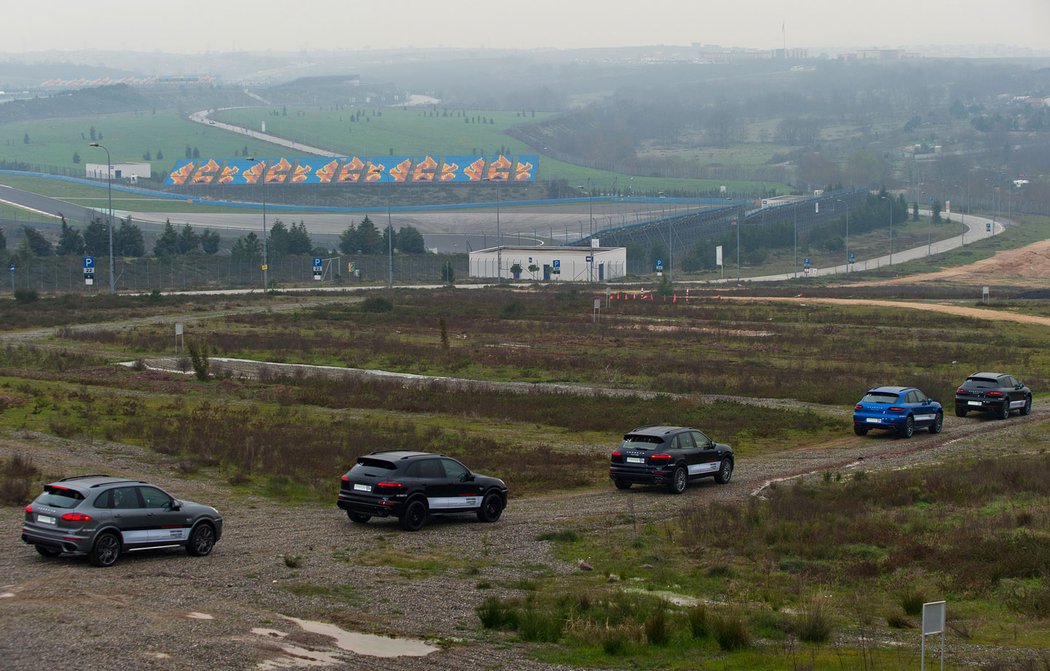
(932, 623)
(178, 336)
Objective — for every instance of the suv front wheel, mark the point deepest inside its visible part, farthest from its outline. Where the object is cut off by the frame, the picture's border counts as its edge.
(491, 507)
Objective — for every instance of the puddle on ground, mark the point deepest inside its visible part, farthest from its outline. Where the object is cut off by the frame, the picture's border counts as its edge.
(367, 644)
(199, 616)
(6, 595)
(158, 655)
(290, 656)
(669, 597)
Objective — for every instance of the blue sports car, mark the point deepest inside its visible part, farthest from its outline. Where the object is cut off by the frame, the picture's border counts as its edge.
(900, 409)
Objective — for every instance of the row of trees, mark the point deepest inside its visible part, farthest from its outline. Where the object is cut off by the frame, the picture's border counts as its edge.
(364, 238)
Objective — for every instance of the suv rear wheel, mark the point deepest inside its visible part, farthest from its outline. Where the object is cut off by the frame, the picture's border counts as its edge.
(678, 480)
(414, 516)
(909, 427)
(1004, 410)
(105, 551)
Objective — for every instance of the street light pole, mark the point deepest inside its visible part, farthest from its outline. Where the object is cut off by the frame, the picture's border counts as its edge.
(499, 240)
(794, 211)
(889, 203)
(109, 226)
(847, 231)
(389, 244)
(266, 260)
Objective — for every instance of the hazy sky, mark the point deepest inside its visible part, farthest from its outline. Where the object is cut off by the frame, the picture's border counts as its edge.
(236, 25)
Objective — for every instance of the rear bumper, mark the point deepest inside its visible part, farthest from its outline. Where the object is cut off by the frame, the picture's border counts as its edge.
(640, 476)
(980, 404)
(883, 422)
(373, 508)
(62, 540)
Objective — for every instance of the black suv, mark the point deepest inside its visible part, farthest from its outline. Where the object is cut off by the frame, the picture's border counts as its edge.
(102, 516)
(992, 392)
(413, 485)
(671, 455)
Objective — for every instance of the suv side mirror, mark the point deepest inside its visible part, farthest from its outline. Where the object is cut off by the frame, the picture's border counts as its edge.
(467, 477)
(176, 504)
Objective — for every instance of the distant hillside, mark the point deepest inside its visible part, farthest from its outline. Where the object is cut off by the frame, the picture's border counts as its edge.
(81, 102)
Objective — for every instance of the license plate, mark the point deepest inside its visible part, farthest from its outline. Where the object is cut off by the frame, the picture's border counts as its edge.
(874, 420)
(974, 403)
(362, 488)
(45, 519)
(635, 460)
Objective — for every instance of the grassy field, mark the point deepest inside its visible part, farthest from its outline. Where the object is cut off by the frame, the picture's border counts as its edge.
(824, 573)
(52, 142)
(818, 575)
(809, 352)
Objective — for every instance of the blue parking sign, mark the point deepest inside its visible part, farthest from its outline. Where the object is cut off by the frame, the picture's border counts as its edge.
(11, 267)
(89, 261)
(988, 227)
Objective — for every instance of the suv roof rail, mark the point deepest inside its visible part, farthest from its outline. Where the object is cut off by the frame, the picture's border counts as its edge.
(91, 475)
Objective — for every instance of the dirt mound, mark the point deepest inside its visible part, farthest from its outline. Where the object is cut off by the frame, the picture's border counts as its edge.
(1027, 266)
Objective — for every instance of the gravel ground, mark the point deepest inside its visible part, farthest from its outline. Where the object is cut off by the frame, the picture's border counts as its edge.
(151, 611)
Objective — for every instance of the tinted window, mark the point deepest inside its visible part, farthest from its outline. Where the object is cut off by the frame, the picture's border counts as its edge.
(631, 442)
(879, 397)
(914, 397)
(105, 499)
(700, 439)
(1011, 381)
(453, 469)
(126, 498)
(431, 469)
(373, 468)
(154, 498)
(685, 441)
(980, 383)
(59, 497)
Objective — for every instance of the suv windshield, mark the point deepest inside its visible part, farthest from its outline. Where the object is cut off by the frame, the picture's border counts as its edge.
(59, 497)
(641, 442)
(879, 397)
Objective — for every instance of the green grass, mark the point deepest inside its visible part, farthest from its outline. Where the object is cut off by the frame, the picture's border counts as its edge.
(52, 142)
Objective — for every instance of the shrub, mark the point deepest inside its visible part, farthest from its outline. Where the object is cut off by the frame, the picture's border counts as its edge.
(494, 613)
(512, 310)
(896, 621)
(540, 626)
(26, 296)
(912, 600)
(17, 484)
(376, 304)
(814, 626)
(614, 642)
(698, 625)
(730, 631)
(293, 561)
(656, 627)
(199, 359)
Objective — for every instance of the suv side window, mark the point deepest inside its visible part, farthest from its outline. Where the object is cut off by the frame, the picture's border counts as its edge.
(154, 498)
(685, 441)
(700, 439)
(913, 397)
(1011, 381)
(104, 500)
(454, 470)
(125, 498)
(431, 469)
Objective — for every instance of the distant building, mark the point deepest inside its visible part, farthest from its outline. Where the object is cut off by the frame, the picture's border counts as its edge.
(129, 172)
(552, 264)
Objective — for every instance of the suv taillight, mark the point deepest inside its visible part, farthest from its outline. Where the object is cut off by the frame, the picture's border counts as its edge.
(660, 457)
(616, 454)
(962, 391)
(29, 508)
(895, 409)
(389, 487)
(76, 517)
(858, 407)
(995, 394)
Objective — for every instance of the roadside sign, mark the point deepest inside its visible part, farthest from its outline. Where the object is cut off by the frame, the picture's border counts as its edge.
(11, 267)
(89, 262)
(805, 261)
(852, 257)
(317, 262)
(264, 267)
(588, 258)
(988, 227)
(933, 620)
(659, 265)
(556, 263)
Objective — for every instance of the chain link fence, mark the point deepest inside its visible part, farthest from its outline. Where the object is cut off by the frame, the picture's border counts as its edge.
(65, 274)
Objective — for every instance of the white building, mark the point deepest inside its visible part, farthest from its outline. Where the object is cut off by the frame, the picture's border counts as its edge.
(129, 172)
(552, 264)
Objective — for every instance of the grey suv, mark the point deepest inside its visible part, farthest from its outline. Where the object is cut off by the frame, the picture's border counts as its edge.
(102, 516)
